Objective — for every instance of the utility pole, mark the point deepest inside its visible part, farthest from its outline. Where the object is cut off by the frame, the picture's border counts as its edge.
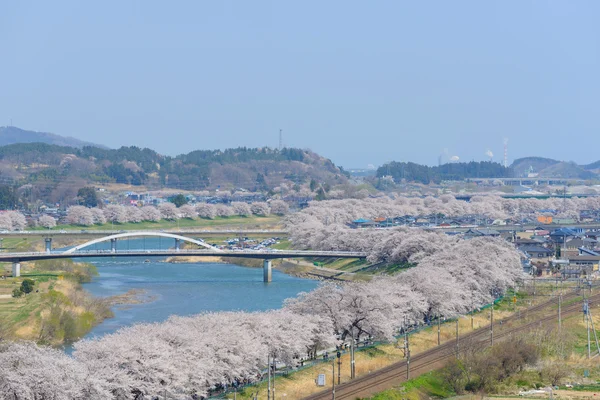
(439, 328)
(407, 357)
(472, 311)
(333, 379)
(587, 321)
(457, 343)
(559, 316)
(269, 377)
(352, 353)
(339, 357)
(594, 330)
(274, 373)
(492, 323)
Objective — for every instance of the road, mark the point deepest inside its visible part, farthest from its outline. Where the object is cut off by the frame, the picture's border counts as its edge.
(183, 231)
(436, 357)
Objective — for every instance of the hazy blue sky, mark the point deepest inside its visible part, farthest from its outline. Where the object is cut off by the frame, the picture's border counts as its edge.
(359, 82)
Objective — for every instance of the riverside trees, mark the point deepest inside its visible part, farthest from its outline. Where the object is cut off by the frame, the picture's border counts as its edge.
(488, 206)
(83, 216)
(181, 357)
(187, 356)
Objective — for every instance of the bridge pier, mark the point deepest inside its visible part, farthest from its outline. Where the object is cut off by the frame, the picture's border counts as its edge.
(48, 241)
(266, 271)
(16, 269)
(177, 244)
(113, 245)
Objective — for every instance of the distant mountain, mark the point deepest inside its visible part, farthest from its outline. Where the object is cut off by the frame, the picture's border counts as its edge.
(12, 135)
(549, 168)
(54, 173)
(425, 174)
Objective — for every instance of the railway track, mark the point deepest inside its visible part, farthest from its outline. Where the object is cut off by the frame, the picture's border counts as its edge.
(436, 357)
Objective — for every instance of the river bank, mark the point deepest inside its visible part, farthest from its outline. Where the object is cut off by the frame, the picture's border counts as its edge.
(59, 310)
(297, 268)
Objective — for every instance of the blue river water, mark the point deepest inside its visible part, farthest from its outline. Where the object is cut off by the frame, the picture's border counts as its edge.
(183, 288)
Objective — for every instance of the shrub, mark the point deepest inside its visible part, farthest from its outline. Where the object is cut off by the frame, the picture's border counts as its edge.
(27, 286)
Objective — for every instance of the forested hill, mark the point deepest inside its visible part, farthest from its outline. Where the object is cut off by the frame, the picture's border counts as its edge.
(12, 134)
(50, 168)
(412, 172)
(547, 167)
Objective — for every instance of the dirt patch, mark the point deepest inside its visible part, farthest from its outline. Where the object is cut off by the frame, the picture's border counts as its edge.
(133, 296)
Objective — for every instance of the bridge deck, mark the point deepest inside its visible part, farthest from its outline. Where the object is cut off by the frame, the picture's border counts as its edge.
(265, 255)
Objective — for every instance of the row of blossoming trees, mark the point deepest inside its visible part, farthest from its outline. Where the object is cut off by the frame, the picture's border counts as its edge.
(83, 216)
(494, 207)
(188, 356)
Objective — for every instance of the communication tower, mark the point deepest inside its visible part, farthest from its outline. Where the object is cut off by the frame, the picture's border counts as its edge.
(280, 139)
(505, 152)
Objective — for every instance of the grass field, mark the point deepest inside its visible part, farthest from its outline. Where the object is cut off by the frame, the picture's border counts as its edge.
(233, 222)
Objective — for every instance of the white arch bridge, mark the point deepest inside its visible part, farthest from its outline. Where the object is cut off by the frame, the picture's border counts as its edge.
(203, 250)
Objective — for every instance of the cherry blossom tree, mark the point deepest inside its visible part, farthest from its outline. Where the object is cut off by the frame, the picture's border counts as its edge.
(5, 222)
(150, 213)
(18, 220)
(223, 210)
(188, 211)
(241, 209)
(47, 221)
(168, 211)
(187, 355)
(279, 207)
(206, 210)
(115, 213)
(260, 208)
(79, 215)
(133, 214)
(98, 216)
(29, 372)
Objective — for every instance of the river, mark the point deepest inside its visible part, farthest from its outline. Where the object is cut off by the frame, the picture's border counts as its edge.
(184, 288)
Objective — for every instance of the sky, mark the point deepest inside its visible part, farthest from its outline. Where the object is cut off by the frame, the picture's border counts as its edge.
(358, 82)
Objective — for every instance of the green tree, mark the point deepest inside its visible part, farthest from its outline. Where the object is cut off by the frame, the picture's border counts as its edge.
(87, 196)
(8, 197)
(179, 200)
(27, 285)
(17, 292)
(313, 185)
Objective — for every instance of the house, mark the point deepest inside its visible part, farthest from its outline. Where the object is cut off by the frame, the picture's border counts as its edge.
(561, 235)
(587, 263)
(576, 243)
(525, 242)
(471, 233)
(537, 252)
(363, 223)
